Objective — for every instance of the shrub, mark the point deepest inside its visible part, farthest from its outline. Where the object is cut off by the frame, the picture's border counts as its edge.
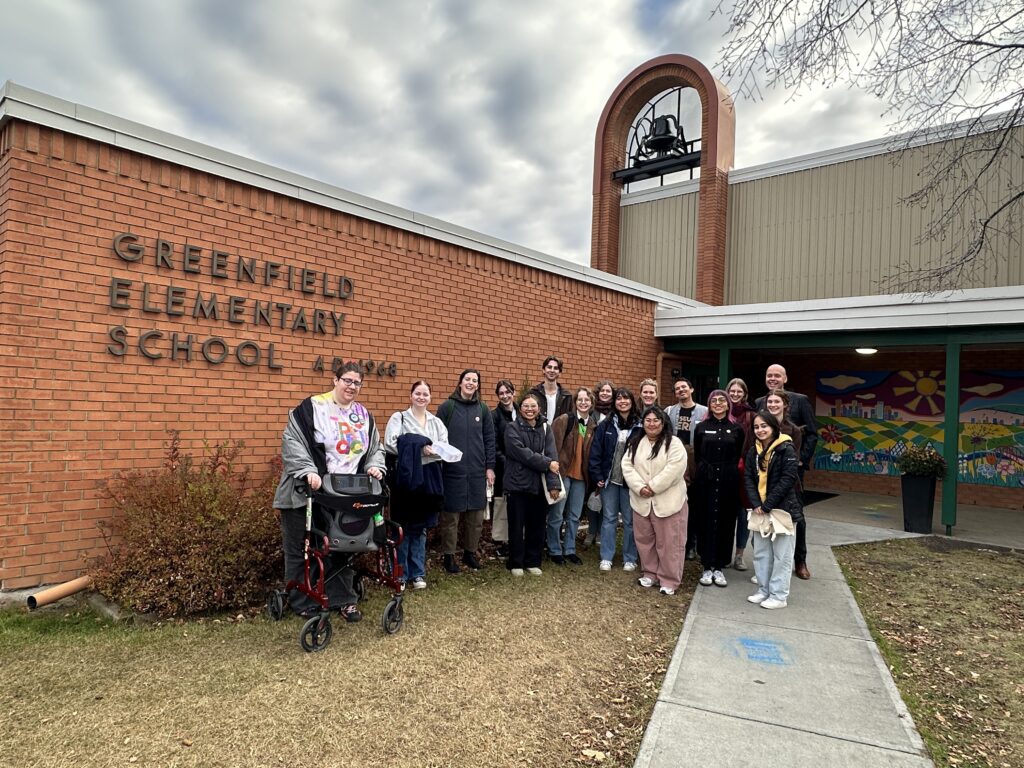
(192, 537)
(922, 461)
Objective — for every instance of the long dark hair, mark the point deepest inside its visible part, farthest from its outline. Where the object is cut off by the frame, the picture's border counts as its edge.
(664, 438)
(772, 422)
(634, 412)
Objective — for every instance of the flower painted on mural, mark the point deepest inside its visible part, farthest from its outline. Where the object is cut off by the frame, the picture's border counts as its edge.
(987, 470)
(1005, 468)
(831, 434)
(858, 456)
(836, 458)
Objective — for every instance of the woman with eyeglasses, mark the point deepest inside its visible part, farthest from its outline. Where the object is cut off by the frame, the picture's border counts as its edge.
(717, 447)
(573, 439)
(471, 430)
(741, 413)
(604, 406)
(771, 477)
(502, 415)
(328, 433)
(531, 466)
(653, 468)
(606, 454)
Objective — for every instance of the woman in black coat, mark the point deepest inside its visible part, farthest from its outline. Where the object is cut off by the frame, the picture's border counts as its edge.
(503, 414)
(771, 479)
(717, 447)
(531, 465)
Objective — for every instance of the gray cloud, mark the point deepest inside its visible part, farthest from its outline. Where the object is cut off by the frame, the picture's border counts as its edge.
(479, 113)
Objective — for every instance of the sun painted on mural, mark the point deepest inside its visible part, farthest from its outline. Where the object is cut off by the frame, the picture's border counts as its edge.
(867, 419)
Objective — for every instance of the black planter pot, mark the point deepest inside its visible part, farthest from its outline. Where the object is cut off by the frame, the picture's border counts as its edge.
(918, 503)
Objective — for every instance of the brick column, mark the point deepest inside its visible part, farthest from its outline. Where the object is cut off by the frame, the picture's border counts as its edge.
(717, 143)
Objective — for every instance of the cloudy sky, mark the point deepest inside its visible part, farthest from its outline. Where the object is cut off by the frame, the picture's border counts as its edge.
(479, 113)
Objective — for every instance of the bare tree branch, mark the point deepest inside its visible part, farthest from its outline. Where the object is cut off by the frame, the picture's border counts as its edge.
(952, 72)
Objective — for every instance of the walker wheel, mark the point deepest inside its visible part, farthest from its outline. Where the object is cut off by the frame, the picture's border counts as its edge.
(394, 615)
(359, 587)
(316, 633)
(275, 605)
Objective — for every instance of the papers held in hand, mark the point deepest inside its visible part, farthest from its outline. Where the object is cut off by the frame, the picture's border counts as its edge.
(448, 453)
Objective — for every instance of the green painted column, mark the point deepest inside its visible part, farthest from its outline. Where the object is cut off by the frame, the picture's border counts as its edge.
(951, 435)
(723, 367)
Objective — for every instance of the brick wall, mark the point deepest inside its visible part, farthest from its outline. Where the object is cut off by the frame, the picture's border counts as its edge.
(73, 414)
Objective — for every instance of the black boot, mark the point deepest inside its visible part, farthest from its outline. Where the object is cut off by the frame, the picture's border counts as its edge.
(469, 560)
(449, 564)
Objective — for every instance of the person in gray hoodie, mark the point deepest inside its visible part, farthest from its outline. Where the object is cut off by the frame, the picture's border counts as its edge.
(471, 430)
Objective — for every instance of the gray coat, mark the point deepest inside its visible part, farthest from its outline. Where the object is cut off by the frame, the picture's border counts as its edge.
(471, 430)
(297, 457)
(529, 452)
(699, 413)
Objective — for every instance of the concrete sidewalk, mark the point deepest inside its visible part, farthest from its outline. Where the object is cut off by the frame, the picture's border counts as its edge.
(805, 685)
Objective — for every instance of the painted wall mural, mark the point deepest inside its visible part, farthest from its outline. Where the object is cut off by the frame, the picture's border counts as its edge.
(866, 419)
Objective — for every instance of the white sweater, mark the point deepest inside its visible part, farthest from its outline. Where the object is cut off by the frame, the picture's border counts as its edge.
(663, 474)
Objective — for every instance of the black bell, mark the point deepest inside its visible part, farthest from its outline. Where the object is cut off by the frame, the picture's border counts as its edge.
(664, 135)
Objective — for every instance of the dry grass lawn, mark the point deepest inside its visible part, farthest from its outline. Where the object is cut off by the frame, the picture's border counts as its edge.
(488, 671)
(949, 619)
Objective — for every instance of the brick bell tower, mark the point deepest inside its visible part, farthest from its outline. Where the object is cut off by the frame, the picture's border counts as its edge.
(718, 124)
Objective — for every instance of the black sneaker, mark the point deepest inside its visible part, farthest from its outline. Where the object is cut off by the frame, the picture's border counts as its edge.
(557, 559)
(351, 614)
(574, 559)
(501, 550)
(450, 565)
(469, 560)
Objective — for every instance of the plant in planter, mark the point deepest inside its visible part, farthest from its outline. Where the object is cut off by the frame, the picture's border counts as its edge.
(920, 466)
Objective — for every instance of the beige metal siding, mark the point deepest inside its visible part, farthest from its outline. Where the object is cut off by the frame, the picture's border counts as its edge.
(839, 230)
(658, 243)
(825, 232)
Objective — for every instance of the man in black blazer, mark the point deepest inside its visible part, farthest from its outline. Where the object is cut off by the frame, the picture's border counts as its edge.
(801, 413)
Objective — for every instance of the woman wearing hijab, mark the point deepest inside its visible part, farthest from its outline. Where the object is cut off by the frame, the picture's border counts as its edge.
(717, 446)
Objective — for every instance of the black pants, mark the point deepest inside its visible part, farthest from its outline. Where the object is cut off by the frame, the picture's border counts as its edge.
(338, 585)
(527, 518)
(800, 554)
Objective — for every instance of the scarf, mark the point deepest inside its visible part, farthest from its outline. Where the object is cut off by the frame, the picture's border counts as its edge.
(762, 466)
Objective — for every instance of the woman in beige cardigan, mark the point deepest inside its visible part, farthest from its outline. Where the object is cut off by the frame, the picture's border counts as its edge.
(653, 468)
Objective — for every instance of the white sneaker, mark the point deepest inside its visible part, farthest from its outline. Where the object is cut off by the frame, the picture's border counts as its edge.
(419, 583)
(706, 578)
(629, 566)
(516, 571)
(606, 565)
(753, 579)
(757, 598)
(719, 579)
(534, 571)
(645, 582)
(773, 602)
(667, 591)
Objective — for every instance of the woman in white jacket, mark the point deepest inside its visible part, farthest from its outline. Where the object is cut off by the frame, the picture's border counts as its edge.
(653, 468)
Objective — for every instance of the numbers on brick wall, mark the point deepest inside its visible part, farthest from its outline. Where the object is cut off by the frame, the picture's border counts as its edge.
(370, 367)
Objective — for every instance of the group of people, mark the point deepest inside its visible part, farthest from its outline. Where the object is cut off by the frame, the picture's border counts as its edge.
(687, 481)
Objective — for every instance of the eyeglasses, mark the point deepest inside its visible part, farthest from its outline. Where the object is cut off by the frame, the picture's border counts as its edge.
(718, 400)
(354, 383)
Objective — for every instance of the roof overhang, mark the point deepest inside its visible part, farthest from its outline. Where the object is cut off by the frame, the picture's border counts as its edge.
(973, 308)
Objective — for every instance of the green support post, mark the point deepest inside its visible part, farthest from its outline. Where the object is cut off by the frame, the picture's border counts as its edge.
(951, 435)
(723, 366)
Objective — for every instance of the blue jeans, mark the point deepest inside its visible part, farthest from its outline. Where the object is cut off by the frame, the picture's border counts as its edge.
(571, 502)
(742, 532)
(615, 499)
(412, 553)
(773, 564)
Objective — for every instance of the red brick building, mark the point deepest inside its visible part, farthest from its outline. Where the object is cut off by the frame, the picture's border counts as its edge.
(149, 283)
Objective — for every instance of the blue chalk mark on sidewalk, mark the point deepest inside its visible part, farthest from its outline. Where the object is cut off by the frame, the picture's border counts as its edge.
(763, 651)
